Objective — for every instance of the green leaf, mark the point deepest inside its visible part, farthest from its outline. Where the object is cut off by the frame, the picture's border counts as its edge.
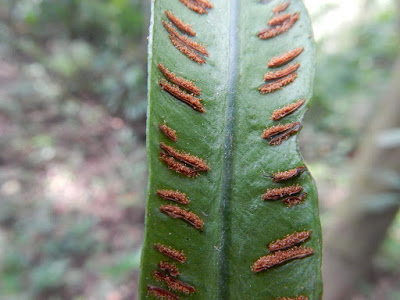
(238, 223)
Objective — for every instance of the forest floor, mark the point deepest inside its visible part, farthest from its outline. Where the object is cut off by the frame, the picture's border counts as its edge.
(72, 186)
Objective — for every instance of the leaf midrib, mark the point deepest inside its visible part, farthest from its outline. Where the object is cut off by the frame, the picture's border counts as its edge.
(227, 171)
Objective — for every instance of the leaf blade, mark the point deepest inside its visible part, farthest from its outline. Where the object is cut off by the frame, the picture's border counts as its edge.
(235, 117)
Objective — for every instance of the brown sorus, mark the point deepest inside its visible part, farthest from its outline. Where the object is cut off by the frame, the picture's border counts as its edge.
(294, 200)
(277, 134)
(285, 58)
(279, 19)
(296, 298)
(205, 3)
(279, 130)
(280, 257)
(173, 196)
(175, 91)
(289, 174)
(168, 131)
(195, 6)
(193, 161)
(275, 130)
(161, 293)
(169, 267)
(170, 252)
(179, 213)
(289, 241)
(189, 52)
(178, 166)
(185, 40)
(276, 194)
(278, 139)
(277, 84)
(183, 83)
(268, 33)
(179, 23)
(281, 73)
(173, 283)
(287, 110)
(280, 7)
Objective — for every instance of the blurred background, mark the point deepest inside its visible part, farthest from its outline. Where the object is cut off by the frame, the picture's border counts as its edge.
(72, 145)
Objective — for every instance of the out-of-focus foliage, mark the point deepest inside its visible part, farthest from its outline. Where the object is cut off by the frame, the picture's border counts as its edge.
(71, 173)
(95, 48)
(353, 68)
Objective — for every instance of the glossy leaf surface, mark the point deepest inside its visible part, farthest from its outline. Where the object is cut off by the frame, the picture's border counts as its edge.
(238, 224)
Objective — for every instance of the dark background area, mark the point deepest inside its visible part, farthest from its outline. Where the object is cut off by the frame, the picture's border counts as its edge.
(72, 138)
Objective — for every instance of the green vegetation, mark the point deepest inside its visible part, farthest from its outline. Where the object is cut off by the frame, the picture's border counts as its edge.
(72, 86)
